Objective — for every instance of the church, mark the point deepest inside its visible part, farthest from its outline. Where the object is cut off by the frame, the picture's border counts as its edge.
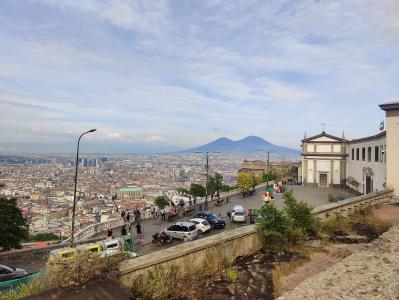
(367, 164)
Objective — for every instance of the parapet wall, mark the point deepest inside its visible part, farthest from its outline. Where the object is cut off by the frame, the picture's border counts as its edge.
(348, 206)
(231, 243)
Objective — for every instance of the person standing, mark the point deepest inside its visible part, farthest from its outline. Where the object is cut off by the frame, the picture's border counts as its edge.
(163, 214)
(128, 218)
(123, 230)
(109, 233)
(139, 231)
(123, 215)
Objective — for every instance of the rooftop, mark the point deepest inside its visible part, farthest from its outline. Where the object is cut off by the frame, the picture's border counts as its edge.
(129, 189)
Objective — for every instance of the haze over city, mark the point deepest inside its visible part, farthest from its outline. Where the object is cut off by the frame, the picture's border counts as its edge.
(169, 75)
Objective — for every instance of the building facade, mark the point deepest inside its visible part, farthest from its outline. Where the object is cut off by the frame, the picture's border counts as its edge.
(366, 165)
(324, 160)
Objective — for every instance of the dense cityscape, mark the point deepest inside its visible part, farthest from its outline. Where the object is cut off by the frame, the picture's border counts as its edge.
(43, 184)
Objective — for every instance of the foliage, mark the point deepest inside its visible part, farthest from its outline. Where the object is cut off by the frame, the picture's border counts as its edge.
(245, 181)
(301, 215)
(276, 227)
(332, 198)
(82, 269)
(228, 188)
(197, 190)
(211, 186)
(218, 183)
(233, 276)
(162, 201)
(13, 227)
(34, 287)
(168, 283)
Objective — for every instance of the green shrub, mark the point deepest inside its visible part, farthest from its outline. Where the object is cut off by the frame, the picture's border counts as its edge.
(332, 198)
(233, 276)
(301, 216)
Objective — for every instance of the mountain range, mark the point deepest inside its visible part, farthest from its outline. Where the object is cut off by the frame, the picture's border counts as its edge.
(248, 144)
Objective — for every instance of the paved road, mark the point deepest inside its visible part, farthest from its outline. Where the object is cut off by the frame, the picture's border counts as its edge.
(311, 195)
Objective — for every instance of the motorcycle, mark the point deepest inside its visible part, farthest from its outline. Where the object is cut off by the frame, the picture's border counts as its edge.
(161, 238)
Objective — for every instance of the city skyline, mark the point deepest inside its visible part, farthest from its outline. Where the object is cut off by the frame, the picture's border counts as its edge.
(180, 74)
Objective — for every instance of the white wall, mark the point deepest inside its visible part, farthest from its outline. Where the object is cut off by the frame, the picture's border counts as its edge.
(354, 168)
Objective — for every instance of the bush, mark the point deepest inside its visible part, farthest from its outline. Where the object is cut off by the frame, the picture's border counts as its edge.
(84, 268)
(301, 216)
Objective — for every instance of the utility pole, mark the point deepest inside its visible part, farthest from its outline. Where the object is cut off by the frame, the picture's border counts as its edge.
(268, 165)
(206, 176)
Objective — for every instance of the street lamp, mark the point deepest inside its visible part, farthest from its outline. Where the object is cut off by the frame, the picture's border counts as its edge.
(76, 182)
(207, 175)
(268, 165)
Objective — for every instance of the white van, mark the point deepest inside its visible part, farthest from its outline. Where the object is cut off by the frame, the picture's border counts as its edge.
(110, 247)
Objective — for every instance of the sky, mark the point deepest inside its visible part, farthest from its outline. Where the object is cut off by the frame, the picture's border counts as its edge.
(181, 73)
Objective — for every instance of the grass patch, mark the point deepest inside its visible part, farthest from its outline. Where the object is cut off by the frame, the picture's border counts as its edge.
(81, 270)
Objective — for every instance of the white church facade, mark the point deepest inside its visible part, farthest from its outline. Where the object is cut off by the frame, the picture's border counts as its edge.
(366, 165)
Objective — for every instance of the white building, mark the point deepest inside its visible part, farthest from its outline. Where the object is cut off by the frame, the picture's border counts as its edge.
(366, 164)
(324, 160)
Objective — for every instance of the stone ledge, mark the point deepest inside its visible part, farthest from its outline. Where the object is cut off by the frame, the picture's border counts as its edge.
(185, 249)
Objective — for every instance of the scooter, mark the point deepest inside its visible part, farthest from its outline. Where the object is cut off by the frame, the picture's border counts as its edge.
(161, 238)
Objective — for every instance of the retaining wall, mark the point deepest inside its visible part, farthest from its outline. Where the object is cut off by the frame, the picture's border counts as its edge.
(232, 243)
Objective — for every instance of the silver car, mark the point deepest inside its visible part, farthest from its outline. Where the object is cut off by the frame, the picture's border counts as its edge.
(8, 273)
(185, 231)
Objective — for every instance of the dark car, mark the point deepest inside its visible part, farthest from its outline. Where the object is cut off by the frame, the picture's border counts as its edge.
(8, 273)
(214, 220)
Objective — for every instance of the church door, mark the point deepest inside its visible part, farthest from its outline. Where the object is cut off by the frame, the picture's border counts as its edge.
(323, 180)
(368, 184)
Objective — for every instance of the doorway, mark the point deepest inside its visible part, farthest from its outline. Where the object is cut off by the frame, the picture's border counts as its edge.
(369, 185)
(323, 180)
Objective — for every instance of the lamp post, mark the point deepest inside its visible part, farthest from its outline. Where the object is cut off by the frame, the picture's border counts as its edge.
(268, 165)
(206, 176)
(76, 182)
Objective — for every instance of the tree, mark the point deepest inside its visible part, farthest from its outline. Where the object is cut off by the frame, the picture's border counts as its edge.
(211, 186)
(245, 181)
(197, 190)
(162, 201)
(218, 183)
(13, 227)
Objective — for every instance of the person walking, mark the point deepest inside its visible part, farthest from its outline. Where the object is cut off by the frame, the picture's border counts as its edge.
(128, 218)
(163, 214)
(139, 231)
(123, 230)
(123, 215)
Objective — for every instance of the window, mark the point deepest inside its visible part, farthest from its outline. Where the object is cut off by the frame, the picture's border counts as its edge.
(353, 154)
(376, 154)
(363, 154)
(174, 228)
(369, 154)
(357, 153)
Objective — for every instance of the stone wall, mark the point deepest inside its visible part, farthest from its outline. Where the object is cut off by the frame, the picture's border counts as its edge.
(193, 255)
(348, 206)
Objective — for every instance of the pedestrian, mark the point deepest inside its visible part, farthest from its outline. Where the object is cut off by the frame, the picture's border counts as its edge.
(128, 218)
(123, 215)
(109, 233)
(227, 199)
(153, 212)
(123, 230)
(139, 231)
(163, 214)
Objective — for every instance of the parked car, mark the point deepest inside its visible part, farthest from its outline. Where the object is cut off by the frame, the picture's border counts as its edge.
(236, 207)
(185, 231)
(214, 220)
(8, 273)
(202, 225)
(238, 214)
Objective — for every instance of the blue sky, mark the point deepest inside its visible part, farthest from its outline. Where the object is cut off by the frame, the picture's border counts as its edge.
(186, 72)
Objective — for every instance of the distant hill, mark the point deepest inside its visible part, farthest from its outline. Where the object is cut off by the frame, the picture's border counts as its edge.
(246, 145)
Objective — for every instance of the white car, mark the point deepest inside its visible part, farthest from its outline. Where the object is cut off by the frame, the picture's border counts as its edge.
(185, 231)
(238, 214)
(201, 224)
